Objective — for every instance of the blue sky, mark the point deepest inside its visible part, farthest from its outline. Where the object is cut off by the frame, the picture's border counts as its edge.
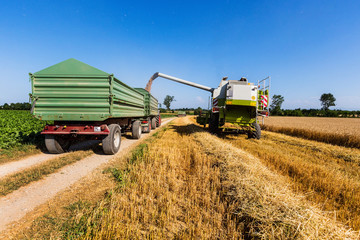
(307, 47)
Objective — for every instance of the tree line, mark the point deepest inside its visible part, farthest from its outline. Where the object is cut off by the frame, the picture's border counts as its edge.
(16, 106)
(316, 113)
(327, 100)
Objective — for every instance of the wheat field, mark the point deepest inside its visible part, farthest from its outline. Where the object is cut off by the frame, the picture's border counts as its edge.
(337, 131)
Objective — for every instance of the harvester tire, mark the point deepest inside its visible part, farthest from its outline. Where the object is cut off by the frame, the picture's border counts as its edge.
(214, 123)
(111, 143)
(257, 133)
(153, 123)
(136, 129)
(55, 145)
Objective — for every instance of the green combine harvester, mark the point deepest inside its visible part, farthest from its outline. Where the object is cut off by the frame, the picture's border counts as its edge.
(181, 114)
(237, 102)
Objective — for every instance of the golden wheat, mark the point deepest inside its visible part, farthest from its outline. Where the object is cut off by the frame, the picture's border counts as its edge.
(269, 209)
(173, 191)
(337, 131)
(328, 175)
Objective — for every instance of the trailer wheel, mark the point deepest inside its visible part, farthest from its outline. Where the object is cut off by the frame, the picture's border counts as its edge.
(55, 145)
(214, 123)
(158, 121)
(255, 133)
(153, 123)
(111, 143)
(136, 129)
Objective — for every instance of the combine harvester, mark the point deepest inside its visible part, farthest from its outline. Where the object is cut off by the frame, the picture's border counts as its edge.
(86, 103)
(235, 101)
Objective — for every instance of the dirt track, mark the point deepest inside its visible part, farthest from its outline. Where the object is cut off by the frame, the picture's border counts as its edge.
(13, 167)
(16, 166)
(17, 204)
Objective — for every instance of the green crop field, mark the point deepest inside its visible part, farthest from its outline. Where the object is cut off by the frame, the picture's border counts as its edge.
(18, 127)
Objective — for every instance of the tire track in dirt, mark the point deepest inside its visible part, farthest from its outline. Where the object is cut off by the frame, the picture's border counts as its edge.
(13, 167)
(22, 164)
(17, 204)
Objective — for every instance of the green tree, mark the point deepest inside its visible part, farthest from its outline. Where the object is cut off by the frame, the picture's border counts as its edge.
(168, 100)
(275, 106)
(197, 111)
(327, 100)
(6, 106)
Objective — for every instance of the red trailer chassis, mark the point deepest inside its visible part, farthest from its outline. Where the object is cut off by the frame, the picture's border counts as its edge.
(60, 135)
(76, 129)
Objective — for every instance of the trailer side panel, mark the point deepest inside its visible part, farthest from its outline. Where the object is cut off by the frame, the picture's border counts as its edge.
(75, 91)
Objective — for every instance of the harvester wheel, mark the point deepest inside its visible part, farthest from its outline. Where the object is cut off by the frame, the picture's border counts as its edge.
(153, 123)
(136, 129)
(257, 133)
(111, 143)
(56, 145)
(214, 123)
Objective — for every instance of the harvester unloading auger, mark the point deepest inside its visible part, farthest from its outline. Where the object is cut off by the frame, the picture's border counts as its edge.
(235, 101)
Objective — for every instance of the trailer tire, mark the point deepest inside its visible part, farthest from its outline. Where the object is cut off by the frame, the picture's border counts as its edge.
(214, 123)
(153, 123)
(257, 133)
(53, 144)
(136, 129)
(111, 143)
(158, 121)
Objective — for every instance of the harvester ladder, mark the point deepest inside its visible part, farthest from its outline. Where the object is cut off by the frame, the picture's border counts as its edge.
(263, 105)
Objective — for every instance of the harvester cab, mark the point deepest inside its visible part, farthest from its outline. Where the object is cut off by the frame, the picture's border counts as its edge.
(236, 102)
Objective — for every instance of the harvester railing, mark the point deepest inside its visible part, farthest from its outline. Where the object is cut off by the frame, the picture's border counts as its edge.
(264, 97)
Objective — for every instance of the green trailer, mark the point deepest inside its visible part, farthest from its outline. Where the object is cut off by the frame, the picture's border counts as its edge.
(85, 102)
(151, 107)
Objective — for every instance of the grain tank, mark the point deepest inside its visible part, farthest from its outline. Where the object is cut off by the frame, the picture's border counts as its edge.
(238, 102)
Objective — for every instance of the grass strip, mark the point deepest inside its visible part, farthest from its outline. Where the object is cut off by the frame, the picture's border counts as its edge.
(168, 115)
(20, 179)
(18, 153)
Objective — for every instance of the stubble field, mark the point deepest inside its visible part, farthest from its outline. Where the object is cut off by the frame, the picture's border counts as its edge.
(184, 182)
